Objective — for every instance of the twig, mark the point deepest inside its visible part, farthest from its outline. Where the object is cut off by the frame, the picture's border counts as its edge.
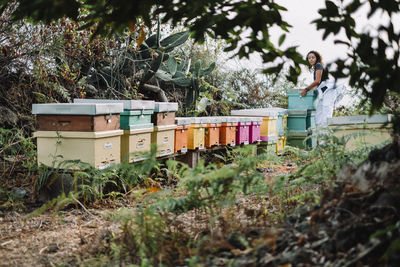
(83, 207)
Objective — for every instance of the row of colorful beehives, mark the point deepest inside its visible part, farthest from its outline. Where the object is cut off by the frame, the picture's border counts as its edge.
(273, 126)
(104, 132)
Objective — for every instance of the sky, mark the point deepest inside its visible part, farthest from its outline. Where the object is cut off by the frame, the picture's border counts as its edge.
(306, 37)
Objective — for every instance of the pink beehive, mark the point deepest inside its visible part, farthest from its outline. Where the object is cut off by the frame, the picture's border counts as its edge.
(242, 131)
(255, 126)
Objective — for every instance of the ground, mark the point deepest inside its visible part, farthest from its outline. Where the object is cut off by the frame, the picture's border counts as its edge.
(65, 237)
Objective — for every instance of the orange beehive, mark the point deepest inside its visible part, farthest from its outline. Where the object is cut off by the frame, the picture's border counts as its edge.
(212, 131)
(181, 134)
(228, 131)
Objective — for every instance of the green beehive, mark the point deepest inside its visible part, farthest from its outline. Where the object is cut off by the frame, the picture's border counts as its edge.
(297, 120)
(296, 101)
(298, 139)
(136, 114)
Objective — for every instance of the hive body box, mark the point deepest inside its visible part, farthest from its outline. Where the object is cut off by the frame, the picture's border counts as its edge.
(164, 137)
(99, 149)
(196, 134)
(296, 101)
(136, 113)
(280, 145)
(134, 143)
(181, 134)
(164, 113)
(228, 131)
(298, 139)
(255, 127)
(372, 130)
(243, 131)
(77, 117)
(81, 123)
(297, 120)
(211, 131)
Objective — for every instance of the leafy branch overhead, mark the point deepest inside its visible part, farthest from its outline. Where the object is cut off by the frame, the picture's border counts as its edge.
(228, 20)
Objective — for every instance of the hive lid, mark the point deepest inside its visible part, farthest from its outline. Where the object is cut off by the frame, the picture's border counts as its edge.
(77, 108)
(198, 120)
(298, 112)
(263, 112)
(360, 119)
(183, 120)
(255, 119)
(128, 104)
(166, 107)
(215, 119)
(293, 91)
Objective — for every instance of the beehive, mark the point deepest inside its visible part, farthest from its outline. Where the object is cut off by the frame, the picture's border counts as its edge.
(164, 137)
(99, 149)
(297, 120)
(212, 131)
(362, 129)
(255, 127)
(298, 139)
(181, 134)
(164, 113)
(280, 145)
(243, 131)
(296, 101)
(228, 131)
(134, 143)
(89, 117)
(136, 113)
(196, 134)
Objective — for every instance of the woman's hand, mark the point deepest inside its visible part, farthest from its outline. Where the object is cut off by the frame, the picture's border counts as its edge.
(303, 92)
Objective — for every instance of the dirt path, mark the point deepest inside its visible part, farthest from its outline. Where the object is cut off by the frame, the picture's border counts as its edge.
(50, 239)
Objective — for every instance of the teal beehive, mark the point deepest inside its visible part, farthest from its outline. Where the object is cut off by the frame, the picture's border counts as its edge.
(296, 101)
(297, 120)
(310, 120)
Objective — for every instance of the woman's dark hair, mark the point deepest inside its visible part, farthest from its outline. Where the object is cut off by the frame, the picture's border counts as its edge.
(325, 73)
(317, 55)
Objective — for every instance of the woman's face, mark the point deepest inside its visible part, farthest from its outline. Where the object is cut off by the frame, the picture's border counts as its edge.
(312, 59)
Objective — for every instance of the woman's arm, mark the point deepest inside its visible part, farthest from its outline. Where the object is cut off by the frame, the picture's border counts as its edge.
(318, 77)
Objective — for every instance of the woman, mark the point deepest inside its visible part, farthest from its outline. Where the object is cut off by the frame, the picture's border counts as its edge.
(328, 91)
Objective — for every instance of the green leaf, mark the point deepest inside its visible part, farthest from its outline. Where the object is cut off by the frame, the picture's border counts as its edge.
(172, 65)
(163, 75)
(207, 71)
(282, 39)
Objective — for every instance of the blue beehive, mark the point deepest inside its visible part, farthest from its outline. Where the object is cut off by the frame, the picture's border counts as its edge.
(296, 101)
(297, 120)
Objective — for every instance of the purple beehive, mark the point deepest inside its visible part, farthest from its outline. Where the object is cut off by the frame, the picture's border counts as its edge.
(242, 131)
(254, 132)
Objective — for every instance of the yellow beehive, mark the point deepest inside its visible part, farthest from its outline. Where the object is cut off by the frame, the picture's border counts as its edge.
(196, 134)
(99, 149)
(164, 137)
(280, 145)
(134, 142)
(268, 126)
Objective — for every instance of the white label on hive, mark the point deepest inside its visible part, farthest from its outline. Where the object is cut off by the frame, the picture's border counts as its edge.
(107, 145)
(140, 144)
(165, 140)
